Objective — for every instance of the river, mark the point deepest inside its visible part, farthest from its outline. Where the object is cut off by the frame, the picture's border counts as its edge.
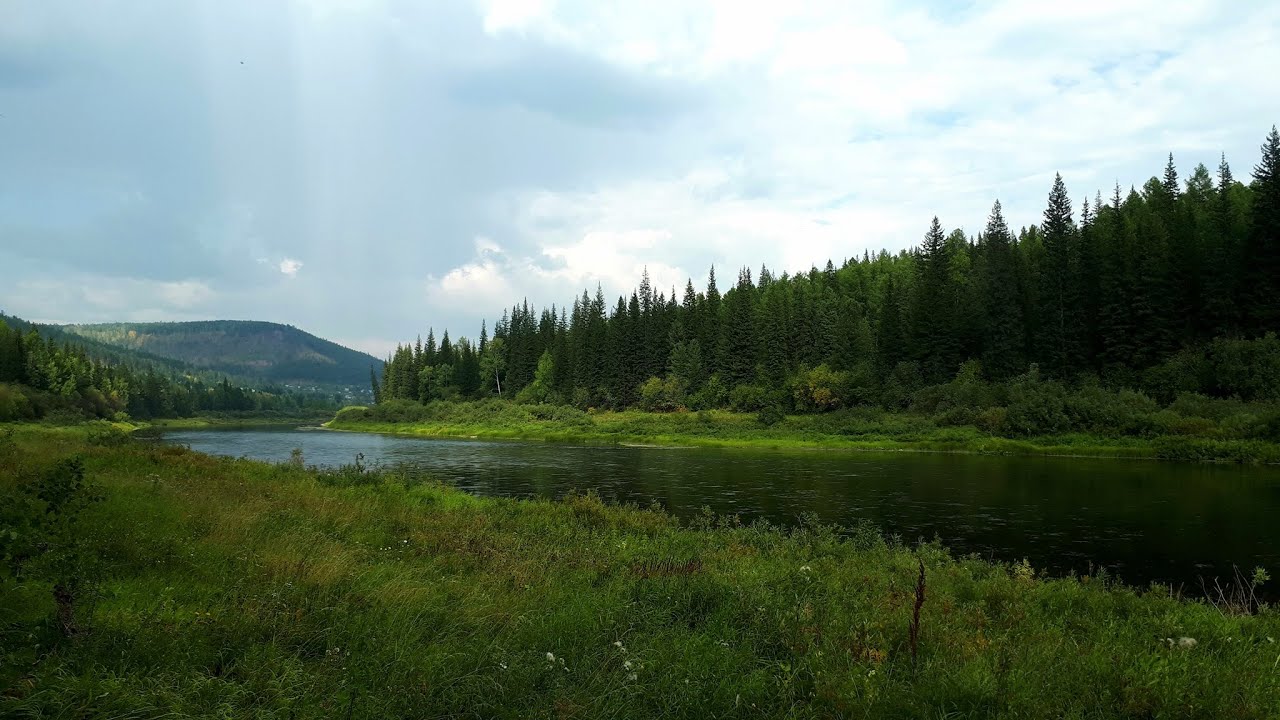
(1145, 521)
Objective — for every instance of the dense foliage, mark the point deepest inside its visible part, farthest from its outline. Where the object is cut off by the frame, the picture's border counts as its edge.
(1171, 288)
(229, 588)
(40, 377)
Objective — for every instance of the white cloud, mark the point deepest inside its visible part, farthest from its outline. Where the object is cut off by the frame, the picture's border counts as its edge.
(842, 127)
(500, 15)
(290, 267)
(483, 148)
(185, 294)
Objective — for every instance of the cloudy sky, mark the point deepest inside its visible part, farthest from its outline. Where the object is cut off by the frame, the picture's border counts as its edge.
(364, 169)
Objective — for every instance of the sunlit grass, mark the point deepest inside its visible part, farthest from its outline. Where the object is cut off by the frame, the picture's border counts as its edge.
(859, 429)
(239, 589)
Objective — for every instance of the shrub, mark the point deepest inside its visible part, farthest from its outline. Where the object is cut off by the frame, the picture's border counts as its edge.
(1103, 411)
(862, 386)
(1248, 368)
(748, 398)
(819, 390)
(900, 384)
(14, 405)
(712, 395)
(659, 395)
(1036, 407)
(41, 538)
(770, 415)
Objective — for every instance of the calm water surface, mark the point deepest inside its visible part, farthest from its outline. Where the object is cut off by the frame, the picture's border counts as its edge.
(1146, 521)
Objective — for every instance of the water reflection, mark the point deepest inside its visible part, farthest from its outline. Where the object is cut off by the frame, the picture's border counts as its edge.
(1147, 521)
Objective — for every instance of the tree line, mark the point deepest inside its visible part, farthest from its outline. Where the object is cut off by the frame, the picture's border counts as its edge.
(1170, 287)
(39, 376)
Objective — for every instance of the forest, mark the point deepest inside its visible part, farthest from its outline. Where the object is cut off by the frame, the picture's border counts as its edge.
(41, 378)
(1167, 290)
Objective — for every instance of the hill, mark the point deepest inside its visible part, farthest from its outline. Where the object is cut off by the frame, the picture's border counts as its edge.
(255, 350)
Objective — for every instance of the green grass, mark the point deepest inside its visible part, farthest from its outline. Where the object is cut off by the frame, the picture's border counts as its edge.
(848, 430)
(211, 421)
(230, 588)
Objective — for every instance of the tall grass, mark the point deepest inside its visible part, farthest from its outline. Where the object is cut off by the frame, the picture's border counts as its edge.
(232, 588)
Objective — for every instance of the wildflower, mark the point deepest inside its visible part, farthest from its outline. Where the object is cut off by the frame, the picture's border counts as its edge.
(632, 677)
(502, 665)
(551, 657)
(805, 568)
(618, 644)
(1186, 642)
(626, 664)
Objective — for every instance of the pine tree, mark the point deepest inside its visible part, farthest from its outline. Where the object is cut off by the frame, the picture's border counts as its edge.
(1262, 254)
(891, 331)
(933, 327)
(738, 340)
(1223, 250)
(1002, 355)
(1058, 341)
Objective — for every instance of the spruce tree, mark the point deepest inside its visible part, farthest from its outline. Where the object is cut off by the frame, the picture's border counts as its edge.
(1002, 355)
(1262, 253)
(738, 339)
(934, 340)
(1058, 342)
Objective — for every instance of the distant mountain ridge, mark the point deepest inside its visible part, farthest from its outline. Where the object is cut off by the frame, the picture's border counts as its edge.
(253, 349)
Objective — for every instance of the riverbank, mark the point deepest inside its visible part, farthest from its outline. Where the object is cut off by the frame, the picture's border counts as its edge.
(850, 430)
(230, 587)
(210, 422)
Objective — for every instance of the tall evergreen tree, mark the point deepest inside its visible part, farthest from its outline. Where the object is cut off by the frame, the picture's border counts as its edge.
(1057, 323)
(1262, 254)
(1003, 350)
(934, 330)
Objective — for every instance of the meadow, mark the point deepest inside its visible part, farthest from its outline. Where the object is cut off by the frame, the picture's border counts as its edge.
(142, 580)
(1201, 430)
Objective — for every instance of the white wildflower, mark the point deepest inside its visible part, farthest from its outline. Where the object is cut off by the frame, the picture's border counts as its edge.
(502, 665)
(805, 568)
(1187, 642)
(551, 657)
(632, 677)
(626, 664)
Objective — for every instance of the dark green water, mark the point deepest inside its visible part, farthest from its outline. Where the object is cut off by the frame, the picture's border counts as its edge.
(1146, 521)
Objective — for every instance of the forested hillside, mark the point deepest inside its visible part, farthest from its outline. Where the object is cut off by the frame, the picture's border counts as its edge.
(40, 376)
(254, 350)
(1169, 288)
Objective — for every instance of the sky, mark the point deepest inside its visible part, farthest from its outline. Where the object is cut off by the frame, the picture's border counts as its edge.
(366, 169)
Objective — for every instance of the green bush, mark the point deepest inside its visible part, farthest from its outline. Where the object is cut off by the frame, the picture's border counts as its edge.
(712, 395)
(42, 541)
(819, 390)
(748, 398)
(902, 382)
(1036, 407)
(1106, 412)
(662, 395)
(1247, 368)
(14, 405)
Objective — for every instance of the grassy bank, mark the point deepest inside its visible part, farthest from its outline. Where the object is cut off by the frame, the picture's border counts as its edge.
(857, 429)
(218, 587)
(209, 422)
